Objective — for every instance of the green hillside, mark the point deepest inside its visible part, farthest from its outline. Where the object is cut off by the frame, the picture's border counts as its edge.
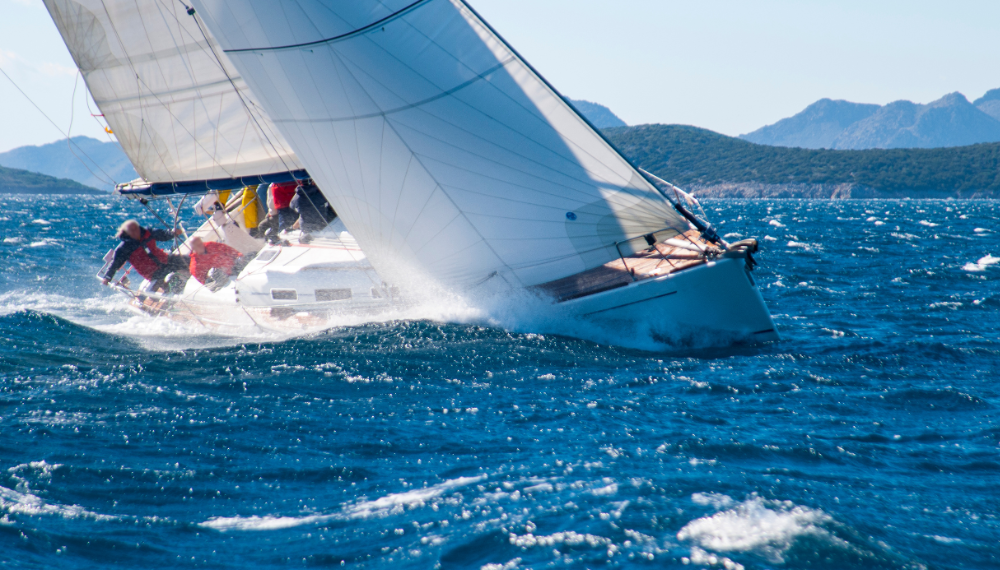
(689, 156)
(14, 181)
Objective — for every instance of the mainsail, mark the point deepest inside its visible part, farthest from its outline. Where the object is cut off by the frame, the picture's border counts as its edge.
(174, 101)
(435, 141)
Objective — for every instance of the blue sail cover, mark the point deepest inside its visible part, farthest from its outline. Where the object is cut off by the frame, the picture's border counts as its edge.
(145, 189)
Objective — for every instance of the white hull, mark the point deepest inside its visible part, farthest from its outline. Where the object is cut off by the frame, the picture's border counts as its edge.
(304, 287)
(291, 288)
(714, 303)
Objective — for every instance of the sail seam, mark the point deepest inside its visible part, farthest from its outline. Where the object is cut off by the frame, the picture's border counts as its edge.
(512, 57)
(450, 199)
(343, 36)
(441, 95)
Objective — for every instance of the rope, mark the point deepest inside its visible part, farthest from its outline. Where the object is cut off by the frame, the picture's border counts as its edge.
(49, 119)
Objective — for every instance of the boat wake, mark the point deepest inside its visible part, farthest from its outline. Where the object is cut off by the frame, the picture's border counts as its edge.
(518, 312)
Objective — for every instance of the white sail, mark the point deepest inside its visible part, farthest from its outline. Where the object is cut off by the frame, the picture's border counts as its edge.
(435, 141)
(177, 106)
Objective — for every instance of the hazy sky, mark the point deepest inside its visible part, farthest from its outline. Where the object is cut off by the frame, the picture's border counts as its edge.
(727, 65)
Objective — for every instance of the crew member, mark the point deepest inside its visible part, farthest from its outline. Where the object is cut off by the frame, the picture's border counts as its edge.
(138, 247)
(314, 211)
(282, 195)
(206, 256)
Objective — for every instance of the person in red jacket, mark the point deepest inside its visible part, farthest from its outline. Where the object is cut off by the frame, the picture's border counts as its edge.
(212, 255)
(282, 195)
(138, 247)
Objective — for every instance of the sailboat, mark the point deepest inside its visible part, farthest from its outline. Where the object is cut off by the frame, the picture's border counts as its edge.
(449, 157)
(190, 126)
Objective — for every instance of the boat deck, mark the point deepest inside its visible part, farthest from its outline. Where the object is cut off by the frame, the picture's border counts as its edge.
(660, 259)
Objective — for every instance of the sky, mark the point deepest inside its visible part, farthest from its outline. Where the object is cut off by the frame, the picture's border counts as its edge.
(731, 66)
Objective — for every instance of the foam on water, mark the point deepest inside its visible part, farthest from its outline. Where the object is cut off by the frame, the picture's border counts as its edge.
(392, 504)
(982, 264)
(766, 528)
(17, 503)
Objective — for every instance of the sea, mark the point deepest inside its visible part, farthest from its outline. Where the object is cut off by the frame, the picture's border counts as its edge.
(461, 437)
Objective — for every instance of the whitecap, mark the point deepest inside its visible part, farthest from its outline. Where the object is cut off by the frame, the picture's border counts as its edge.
(776, 224)
(988, 260)
(928, 224)
(981, 264)
(980, 230)
(606, 490)
(15, 502)
(701, 558)
(14, 240)
(397, 502)
(41, 222)
(569, 538)
(389, 505)
(945, 539)
(765, 528)
(716, 500)
(509, 565)
(262, 523)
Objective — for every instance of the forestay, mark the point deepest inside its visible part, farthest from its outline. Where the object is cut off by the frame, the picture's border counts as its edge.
(435, 141)
(177, 106)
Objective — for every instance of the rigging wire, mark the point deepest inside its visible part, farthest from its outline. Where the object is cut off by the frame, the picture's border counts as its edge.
(69, 131)
(93, 115)
(191, 12)
(138, 90)
(70, 141)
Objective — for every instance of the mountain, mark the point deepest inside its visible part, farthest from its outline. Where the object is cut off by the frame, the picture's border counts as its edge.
(716, 165)
(947, 122)
(989, 103)
(599, 115)
(818, 126)
(14, 181)
(90, 161)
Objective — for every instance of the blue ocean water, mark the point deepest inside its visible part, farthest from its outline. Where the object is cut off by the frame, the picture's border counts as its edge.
(867, 438)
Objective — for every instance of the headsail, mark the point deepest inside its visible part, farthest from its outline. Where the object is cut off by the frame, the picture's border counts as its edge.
(434, 140)
(174, 101)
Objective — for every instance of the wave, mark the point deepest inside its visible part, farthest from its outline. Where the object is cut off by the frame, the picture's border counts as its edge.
(392, 504)
(779, 533)
(17, 503)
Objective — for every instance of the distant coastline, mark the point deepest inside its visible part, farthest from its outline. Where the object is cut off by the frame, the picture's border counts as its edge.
(819, 192)
(715, 165)
(718, 166)
(16, 181)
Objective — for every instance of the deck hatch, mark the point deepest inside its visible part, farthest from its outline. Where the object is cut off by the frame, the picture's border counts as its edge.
(332, 294)
(266, 255)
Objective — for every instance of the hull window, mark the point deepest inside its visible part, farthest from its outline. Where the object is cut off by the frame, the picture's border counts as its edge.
(284, 294)
(332, 294)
